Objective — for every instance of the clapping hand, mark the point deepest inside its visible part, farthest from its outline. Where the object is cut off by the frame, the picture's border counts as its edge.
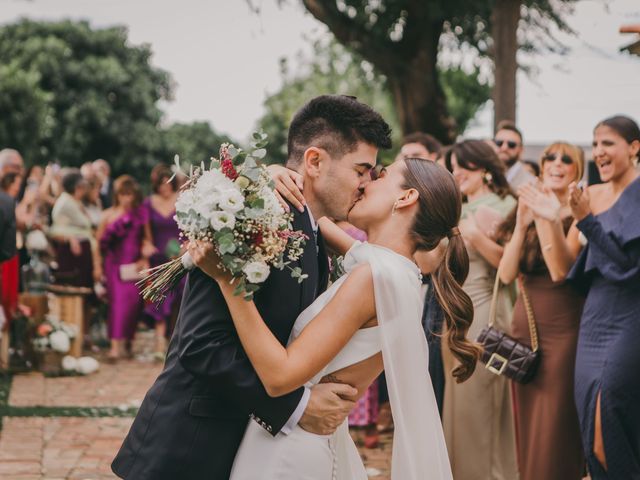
(289, 185)
(204, 256)
(541, 201)
(524, 216)
(579, 202)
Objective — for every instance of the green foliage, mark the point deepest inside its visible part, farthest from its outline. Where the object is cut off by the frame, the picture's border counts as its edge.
(335, 69)
(94, 94)
(195, 142)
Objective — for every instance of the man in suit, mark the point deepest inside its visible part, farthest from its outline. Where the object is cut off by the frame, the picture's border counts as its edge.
(193, 418)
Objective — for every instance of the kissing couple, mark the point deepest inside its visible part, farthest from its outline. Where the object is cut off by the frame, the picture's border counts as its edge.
(261, 389)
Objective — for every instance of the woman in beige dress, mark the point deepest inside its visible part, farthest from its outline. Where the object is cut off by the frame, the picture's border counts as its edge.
(477, 415)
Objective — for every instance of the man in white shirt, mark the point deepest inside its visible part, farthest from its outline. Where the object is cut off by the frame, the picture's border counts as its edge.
(508, 141)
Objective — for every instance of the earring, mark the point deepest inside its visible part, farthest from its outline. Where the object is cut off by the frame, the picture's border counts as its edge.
(393, 210)
(488, 178)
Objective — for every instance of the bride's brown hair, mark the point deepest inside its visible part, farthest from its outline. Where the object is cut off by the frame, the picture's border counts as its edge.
(439, 211)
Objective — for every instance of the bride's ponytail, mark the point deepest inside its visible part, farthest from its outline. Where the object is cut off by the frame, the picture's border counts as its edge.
(456, 306)
(440, 208)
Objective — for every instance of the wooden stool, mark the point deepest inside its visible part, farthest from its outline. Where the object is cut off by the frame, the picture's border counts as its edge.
(67, 304)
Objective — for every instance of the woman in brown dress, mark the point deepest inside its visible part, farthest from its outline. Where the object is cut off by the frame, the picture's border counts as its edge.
(542, 247)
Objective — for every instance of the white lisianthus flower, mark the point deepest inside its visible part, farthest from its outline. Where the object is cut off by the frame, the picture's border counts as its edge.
(87, 365)
(60, 341)
(231, 200)
(256, 272)
(69, 363)
(220, 220)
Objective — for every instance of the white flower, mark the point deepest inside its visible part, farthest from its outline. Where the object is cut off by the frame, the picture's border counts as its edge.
(220, 220)
(256, 272)
(186, 200)
(69, 363)
(87, 365)
(231, 200)
(187, 261)
(36, 240)
(60, 341)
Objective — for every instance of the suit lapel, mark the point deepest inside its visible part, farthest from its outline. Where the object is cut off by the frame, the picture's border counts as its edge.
(309, 260)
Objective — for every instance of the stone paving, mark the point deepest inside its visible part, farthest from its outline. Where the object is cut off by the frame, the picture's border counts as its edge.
(55, 448)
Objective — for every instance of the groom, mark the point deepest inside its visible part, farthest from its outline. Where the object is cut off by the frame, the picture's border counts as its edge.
(192, 420)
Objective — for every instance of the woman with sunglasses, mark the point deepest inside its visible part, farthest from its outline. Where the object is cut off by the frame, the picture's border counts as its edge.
(480, 445)
(607, 381)
(541, 251)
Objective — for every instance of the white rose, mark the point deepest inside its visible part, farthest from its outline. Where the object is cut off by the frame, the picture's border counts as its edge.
(220, 220)
(231, 200)
(69, 363)
(87, 365)
(60, 341)
(256, 272)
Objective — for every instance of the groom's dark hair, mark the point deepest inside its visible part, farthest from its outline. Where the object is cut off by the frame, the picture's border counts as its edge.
(335, 123)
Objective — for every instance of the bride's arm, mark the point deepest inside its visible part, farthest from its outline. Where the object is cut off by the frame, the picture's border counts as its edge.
(336, 238)
(282, 370)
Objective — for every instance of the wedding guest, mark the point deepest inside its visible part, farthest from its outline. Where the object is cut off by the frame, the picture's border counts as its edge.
(9, 268)
(532, 167)
(121, 235)
(102, 169)
(72, 235)
(11, 161)
(161, 211)
(91, 201)
(419, 145)
(477, 415)
(509, 142)
(540, 249)
(607, 382)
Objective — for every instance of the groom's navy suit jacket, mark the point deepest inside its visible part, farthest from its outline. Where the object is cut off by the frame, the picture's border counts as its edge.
(192, 420)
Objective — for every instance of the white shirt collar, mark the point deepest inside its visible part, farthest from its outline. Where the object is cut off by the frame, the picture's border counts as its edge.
(314, 225)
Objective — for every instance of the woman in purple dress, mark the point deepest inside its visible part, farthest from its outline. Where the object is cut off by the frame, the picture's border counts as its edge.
(161, 209)
(126, 245)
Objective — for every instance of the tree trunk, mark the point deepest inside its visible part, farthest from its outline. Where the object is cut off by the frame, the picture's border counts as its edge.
(504, 21)
(417, 94)
(409, 65)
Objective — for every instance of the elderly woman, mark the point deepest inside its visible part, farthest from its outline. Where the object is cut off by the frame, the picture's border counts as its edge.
(76, 249)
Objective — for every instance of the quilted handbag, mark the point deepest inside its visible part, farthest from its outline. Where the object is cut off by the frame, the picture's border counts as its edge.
(504, 355)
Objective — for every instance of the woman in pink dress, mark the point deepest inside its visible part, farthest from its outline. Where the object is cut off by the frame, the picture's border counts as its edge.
(126, 245)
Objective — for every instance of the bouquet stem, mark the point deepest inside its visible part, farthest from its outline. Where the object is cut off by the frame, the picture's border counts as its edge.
(163, 278)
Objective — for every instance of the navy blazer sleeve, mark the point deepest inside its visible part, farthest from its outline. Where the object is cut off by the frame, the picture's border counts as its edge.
(7, 227)
(209, 347)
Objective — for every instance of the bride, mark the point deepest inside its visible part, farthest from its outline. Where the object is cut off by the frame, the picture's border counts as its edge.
(368, 320)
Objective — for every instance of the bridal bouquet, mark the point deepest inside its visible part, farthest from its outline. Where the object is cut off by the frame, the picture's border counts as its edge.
(232, 204)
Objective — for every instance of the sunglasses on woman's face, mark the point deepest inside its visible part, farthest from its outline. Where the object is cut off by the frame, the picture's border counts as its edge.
(376, 172)
(510, 143)
(550, 157)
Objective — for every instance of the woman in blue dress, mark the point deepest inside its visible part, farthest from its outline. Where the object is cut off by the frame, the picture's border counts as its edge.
(607, 381)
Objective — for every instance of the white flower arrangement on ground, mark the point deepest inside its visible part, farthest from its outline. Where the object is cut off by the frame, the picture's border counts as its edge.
(232, 204)
(55, 335)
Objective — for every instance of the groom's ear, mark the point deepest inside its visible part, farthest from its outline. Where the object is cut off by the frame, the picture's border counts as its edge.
(312, 160)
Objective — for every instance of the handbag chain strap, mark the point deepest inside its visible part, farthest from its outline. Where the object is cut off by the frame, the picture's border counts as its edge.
(533, 330)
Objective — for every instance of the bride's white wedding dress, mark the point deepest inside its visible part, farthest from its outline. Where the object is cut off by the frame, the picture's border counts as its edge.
(419, 451)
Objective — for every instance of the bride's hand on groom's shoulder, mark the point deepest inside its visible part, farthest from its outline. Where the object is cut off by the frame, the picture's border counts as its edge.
(289, 185)
(206, 259)
(328, 407)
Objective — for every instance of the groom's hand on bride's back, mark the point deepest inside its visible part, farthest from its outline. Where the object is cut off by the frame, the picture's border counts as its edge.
(327, 408)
